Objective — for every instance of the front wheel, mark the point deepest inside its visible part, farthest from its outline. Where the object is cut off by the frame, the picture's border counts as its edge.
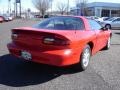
(108, 44)
(108, 26)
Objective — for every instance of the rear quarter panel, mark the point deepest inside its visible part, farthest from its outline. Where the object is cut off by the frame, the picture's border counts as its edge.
(83, 37)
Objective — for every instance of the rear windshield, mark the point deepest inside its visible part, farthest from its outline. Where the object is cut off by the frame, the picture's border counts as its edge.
(61, 23)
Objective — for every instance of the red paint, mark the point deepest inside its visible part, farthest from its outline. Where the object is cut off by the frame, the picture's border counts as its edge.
(1, 19)
(67, 50)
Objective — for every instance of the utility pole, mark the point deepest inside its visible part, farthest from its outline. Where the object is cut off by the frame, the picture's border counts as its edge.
(68, 5)
(20, 8)
(16, 11)
(8, 7)
(3, 10)
(51, 5)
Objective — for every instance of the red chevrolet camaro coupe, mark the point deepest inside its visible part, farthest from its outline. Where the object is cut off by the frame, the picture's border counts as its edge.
(60, 41)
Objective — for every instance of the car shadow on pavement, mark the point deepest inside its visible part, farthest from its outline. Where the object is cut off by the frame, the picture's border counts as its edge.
(18, 73)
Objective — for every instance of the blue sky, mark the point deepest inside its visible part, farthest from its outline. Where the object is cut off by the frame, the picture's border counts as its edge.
(28, 4)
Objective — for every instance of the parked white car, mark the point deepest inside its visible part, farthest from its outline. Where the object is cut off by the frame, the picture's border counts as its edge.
(10, 18)
(95, 18)
(98, 19)
(112, 23)
(103, 19)
(7, 17)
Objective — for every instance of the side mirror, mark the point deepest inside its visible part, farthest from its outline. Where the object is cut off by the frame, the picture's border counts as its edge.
(104, 28)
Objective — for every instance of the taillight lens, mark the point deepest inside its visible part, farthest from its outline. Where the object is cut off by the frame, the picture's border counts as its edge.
(48, 40)
(55, 41)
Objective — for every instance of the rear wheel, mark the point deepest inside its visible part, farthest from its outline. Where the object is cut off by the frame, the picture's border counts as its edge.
(84, 59)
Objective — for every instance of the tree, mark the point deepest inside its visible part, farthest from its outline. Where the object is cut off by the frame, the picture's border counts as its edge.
(82, 4)
(42, 5)
(62, 7)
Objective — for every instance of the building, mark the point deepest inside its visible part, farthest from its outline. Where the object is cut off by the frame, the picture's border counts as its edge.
(100, 9)
(75, 11)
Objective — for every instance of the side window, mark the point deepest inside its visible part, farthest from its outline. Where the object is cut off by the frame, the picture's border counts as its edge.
(70, 24)
(117, 20)
(74, 23)
(50, 24)
(94, 25)
(80, 24)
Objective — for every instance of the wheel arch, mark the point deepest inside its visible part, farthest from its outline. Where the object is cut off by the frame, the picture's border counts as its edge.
(91, 44)
(109, 25)
(110, 35)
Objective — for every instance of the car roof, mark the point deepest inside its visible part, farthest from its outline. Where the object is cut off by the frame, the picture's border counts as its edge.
(82, 17)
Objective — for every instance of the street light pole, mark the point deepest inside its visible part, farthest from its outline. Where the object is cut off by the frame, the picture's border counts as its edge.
(18, 2)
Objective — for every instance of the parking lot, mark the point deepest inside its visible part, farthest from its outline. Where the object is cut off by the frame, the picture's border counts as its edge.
(15, 74)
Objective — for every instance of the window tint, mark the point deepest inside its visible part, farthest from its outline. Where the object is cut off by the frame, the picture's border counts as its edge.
(61, 23)
(94, 25)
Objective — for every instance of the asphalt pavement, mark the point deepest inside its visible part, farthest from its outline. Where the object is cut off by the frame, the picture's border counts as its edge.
(103, 72)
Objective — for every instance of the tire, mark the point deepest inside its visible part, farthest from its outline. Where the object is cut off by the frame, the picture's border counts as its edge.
(84, 61)
(108, 44)
(108, 26)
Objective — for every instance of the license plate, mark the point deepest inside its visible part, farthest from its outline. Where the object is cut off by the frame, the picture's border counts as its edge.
(26, 55)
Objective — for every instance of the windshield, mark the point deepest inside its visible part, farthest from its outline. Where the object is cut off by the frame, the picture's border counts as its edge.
(61, 23)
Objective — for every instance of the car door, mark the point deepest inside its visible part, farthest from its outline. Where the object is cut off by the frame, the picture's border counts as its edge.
(116, 23)
(101, 38)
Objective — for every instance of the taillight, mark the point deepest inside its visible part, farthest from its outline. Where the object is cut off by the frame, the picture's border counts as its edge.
(55, 41)
(48, 40)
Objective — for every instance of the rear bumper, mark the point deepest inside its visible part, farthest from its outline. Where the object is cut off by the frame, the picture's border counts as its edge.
(54, 57)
